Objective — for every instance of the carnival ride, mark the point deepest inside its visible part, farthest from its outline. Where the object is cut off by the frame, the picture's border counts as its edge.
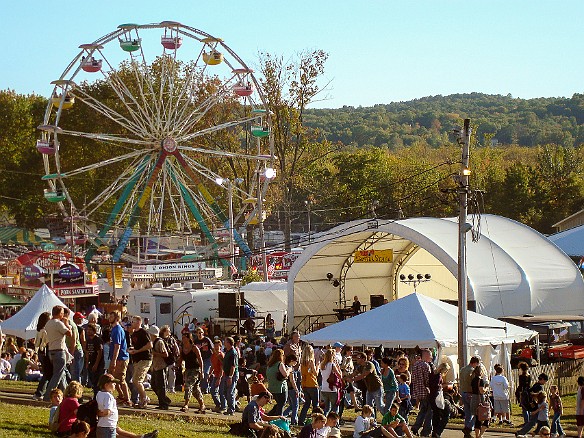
(175, 110)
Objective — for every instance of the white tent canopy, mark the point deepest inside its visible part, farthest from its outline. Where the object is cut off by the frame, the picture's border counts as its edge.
(512, 269)
(418, 321)
(267, 296)
(23, 324)
(570, 241)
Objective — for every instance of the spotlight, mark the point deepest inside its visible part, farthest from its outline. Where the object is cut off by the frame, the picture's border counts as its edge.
(329, 276)
(402, 277)
(410, 276)
(419, 276)
(336, 283)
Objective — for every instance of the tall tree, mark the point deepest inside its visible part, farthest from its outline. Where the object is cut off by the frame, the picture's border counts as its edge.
(290, 86)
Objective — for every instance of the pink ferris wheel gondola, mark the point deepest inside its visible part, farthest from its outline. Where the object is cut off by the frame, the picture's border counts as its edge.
(91, 64)
(45, 147)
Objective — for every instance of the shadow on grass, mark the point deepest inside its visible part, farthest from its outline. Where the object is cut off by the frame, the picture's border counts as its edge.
(25, 429)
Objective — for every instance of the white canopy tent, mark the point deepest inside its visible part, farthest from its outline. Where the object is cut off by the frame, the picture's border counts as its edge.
(570, 241)
(512, 269)
(420, 321)
(23, 324)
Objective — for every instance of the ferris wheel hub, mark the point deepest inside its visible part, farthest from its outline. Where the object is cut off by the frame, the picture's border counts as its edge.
(169, 144)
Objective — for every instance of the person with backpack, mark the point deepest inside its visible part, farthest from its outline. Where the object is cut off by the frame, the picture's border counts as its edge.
(159, 364)
(522, 392)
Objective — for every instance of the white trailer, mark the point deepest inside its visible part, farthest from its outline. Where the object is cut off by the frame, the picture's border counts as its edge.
(178, 304)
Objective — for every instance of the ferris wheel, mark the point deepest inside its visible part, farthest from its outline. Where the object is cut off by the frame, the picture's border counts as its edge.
(141, 131)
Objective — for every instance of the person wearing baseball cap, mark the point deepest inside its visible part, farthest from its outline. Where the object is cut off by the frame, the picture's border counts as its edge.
(107, 411)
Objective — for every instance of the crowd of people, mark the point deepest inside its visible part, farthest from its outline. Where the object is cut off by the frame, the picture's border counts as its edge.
(309, 387)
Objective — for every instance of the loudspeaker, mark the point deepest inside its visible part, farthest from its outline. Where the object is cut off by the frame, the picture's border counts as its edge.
(375, 301)
(228, 307)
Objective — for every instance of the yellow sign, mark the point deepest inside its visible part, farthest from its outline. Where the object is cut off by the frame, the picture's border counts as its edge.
(373, 256)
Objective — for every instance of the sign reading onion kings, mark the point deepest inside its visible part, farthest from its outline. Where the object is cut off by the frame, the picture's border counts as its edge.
(373, 256)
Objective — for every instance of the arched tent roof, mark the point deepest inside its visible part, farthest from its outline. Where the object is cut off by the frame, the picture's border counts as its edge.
(512, 269)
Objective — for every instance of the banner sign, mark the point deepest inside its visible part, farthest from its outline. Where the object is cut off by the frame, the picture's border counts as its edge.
(373, 256)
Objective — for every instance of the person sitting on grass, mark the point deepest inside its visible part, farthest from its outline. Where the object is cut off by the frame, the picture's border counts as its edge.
(312, 430)
(56, 399)
(24, 365)
(392, 421)
(68, 407)
(107, 412)
(79, 429)
(330, 428)
(366, 426)
(253, 419)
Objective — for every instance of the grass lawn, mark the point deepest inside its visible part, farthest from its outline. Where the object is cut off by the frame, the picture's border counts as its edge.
(29, 421)
(137, 423)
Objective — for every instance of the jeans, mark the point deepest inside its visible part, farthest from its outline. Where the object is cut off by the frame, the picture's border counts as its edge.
(440, 417)
(47, 373)
(292, 408)
(330, 401)
(528, 425)
(215, 383)
(132, 390)
(227, 394)
(556, 426)
(77, 365)
(105, 432)
(159, 387)
(58, 359)
(205, 384)
(280, 401)
(310, 398)
(93, 378)
(375, 398)
(469, 415)
(424, 418)
(170, 378)
(388, 398)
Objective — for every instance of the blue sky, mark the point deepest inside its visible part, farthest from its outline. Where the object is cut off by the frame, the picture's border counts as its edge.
(379, 51)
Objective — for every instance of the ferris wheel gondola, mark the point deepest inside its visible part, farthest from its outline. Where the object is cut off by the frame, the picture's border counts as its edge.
(175, 119)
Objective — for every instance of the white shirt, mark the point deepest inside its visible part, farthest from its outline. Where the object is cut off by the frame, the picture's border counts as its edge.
(56, 332)
(106, 400)
(500, 386)
(362, 424)
(5, 367)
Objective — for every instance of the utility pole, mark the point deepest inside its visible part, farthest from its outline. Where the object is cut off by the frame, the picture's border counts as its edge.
(463, 191)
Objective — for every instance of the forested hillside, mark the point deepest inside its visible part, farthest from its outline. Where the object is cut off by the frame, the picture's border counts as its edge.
(504, 119)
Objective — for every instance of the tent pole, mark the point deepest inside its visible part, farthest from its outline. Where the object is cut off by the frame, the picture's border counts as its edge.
(463, 190)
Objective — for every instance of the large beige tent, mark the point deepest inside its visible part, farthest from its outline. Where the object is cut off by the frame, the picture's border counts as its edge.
(512, 269)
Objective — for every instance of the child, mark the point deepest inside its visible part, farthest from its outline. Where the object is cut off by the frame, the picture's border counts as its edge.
(311, 430)
(404, 396)
(500, 386)
(107, 425)
(332, 419)
(80, 429)
(542, 412)
(558, 408)
(68, 407)
(392, 420)
(366, 427)
(56, 399)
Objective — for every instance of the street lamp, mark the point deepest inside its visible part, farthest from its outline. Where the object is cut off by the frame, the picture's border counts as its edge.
(229, 184)
(267, 173)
